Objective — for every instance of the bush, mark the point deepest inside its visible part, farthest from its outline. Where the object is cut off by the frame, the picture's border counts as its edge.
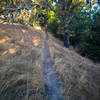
(93, 51)
(53, 26)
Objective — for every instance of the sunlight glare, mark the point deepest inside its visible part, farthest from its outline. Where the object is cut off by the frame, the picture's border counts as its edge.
(11, 51)
(4, 40)
(23, 30)
(4, 53)
(35, 42)
(37, 27)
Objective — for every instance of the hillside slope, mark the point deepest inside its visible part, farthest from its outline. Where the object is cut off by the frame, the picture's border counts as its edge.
(80, 77)
(22, 66)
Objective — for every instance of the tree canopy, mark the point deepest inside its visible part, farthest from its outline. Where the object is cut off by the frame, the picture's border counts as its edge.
(77, 19)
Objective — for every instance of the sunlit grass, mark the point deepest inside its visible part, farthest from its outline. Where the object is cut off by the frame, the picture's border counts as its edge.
(23, 30)
(13, 74)
(21, 41)
(4, 53)
(4, 40)
(5, 23)
(36, 42)
(37, 27)
(11, 51)
(1, 21)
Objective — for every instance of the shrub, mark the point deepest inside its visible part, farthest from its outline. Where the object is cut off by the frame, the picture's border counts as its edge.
(86, 35)
(53, 26)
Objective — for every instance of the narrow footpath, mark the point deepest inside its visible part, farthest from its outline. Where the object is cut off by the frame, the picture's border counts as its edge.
(53, 87)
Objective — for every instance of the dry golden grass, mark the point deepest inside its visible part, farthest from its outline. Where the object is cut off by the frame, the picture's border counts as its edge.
(20, 64)
(79, 76)
(21, 67)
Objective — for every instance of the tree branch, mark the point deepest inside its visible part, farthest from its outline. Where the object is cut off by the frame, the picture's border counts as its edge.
(50, 6)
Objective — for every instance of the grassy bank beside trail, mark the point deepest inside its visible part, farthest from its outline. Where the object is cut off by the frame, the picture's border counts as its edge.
(20, 63)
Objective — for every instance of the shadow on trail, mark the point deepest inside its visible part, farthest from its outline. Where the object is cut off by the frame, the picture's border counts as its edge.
(53, 88)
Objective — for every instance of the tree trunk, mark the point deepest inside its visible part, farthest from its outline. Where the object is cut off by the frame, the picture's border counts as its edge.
(66, 32)
(66, 41)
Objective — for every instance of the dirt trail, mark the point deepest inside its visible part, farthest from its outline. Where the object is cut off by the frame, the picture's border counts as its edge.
(53, 87)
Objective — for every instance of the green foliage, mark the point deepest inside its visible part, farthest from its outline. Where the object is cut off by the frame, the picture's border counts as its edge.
(31, 19)
(80, 28)
(83, 29)
(86, 35)
(53, 26)
(52, 22)
(91, 50)
(42, 19)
